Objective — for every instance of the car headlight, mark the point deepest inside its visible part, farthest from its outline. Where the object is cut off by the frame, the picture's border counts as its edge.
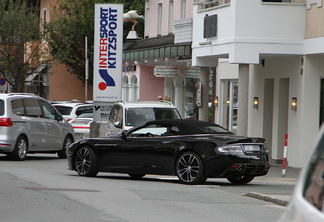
(230, 149)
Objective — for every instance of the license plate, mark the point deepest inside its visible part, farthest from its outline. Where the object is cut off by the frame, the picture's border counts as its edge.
(251, 148)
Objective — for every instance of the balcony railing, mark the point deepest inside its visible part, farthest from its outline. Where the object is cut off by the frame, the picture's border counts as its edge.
(209, 4)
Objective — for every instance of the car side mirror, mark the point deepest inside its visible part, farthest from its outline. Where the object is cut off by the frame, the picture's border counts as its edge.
(117, 124)
(59, 118)
(124, 134)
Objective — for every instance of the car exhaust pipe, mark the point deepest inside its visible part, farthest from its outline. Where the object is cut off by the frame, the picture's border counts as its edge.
(239, 168)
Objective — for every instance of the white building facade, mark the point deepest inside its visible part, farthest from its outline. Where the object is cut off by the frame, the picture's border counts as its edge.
(270, 52)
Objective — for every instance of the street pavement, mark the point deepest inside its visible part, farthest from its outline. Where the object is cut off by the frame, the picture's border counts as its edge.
(276, 173)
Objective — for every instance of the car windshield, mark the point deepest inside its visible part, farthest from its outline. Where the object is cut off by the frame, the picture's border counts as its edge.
(136, 116)
(64, 110)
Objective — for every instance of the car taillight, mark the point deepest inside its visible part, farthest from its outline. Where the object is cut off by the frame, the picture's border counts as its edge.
(69, 120)
(5, 122)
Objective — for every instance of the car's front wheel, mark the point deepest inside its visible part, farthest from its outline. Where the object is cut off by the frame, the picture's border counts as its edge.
(86, 162)
(240, 179)
(67, 142)
(190, 168)
(20, 150)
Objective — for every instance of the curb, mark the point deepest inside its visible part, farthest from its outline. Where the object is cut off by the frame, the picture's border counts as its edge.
(268, 198)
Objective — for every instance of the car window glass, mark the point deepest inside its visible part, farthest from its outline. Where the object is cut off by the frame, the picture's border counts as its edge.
(119, 117)
(64, 110)
(49, 111)
(17, 107)
(32, 108)
(113, 114)
(154, 129)
(83, 109)
(166, 113)
(314, 183)
(86, 115)
(2, 104)
(213, 129)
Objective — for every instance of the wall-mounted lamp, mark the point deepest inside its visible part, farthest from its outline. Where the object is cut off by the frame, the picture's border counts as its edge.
(228, 102)
(294, 103)
(216, 101)
(255, 103)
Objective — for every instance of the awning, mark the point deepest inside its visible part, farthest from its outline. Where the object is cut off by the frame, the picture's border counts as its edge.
(35, 73)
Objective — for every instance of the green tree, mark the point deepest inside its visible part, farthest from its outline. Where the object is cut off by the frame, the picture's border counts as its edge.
(72, 21)
(20, 42)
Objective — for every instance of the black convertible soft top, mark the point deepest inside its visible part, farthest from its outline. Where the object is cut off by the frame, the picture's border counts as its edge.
(189, 126)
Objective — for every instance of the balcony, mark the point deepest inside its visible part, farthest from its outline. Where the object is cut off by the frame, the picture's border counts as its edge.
(247, 30)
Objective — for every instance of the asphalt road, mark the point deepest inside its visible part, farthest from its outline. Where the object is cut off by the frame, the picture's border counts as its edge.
(42, 189)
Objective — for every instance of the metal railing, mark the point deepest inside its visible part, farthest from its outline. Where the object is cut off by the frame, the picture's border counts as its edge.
(208, 4)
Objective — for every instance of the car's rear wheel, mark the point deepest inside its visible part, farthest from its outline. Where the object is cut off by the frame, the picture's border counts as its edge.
(190, 168)
(20, 150)
(136, 176)
(67, 142)
(240, 179)
(86, 162)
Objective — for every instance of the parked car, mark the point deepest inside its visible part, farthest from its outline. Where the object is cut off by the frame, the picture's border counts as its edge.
(307, 202)
(190, 149)
(125, 115)
(81, 125)
(72, 110)
(30, 124)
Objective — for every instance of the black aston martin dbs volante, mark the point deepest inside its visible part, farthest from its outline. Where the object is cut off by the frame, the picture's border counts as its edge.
(190, 149)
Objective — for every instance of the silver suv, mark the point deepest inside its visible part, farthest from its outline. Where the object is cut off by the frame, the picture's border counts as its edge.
(125, 115)
(30, 124)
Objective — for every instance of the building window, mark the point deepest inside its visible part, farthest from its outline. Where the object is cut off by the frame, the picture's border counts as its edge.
(183, 9)
(210, 26)
(159, 20)
(170, 22)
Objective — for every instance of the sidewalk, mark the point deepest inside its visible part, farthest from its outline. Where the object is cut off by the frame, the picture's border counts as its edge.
(275, 173)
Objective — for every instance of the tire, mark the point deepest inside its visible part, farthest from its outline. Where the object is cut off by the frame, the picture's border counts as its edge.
(20, 150)
(67, 142)
(190, 168)
(240, 179)
(136, 176)
(86, 162)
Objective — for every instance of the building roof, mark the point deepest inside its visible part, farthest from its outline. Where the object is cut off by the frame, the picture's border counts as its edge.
(148, 43)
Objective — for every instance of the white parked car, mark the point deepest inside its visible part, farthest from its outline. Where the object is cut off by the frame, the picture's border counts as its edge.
(71, 110)
(81, 125)
(125, 115)
(307, 203)
(30, 124)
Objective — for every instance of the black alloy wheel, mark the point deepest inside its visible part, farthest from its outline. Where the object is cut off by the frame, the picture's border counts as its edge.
(20, 150)
(67, 142)
(240, 179)
(86, 162)
(190, 168)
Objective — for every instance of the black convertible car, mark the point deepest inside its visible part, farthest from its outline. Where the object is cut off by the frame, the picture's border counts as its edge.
(190, 149)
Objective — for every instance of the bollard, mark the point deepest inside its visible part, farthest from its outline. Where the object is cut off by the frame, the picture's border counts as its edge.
(284, 161)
